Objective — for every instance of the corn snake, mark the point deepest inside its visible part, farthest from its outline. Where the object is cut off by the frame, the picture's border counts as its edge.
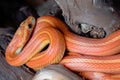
(17, 52)
(96, 49)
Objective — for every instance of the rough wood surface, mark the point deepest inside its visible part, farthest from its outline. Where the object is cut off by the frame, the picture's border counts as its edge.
(8, 72)
(93, 17)
(49, 7)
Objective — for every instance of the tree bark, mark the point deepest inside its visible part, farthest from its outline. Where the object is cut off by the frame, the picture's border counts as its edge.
(95, 17)
(8, 72)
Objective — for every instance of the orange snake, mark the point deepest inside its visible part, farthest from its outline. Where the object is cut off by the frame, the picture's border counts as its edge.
(20, 51)
(98, 54)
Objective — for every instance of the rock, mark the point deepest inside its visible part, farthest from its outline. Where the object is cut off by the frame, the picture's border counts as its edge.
(56, 72)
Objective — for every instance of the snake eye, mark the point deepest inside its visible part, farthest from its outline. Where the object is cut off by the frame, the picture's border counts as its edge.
(30, 22)
(30, 26)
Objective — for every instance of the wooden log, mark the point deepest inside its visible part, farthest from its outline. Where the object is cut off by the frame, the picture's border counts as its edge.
(8, 72)
(96, 17)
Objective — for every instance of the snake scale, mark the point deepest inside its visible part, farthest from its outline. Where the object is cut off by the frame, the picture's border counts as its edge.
(29, 43)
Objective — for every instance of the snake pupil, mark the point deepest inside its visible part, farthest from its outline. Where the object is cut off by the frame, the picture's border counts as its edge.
(30, 25)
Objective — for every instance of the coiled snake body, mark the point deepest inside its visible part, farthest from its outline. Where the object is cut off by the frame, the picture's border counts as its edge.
(26, 47)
